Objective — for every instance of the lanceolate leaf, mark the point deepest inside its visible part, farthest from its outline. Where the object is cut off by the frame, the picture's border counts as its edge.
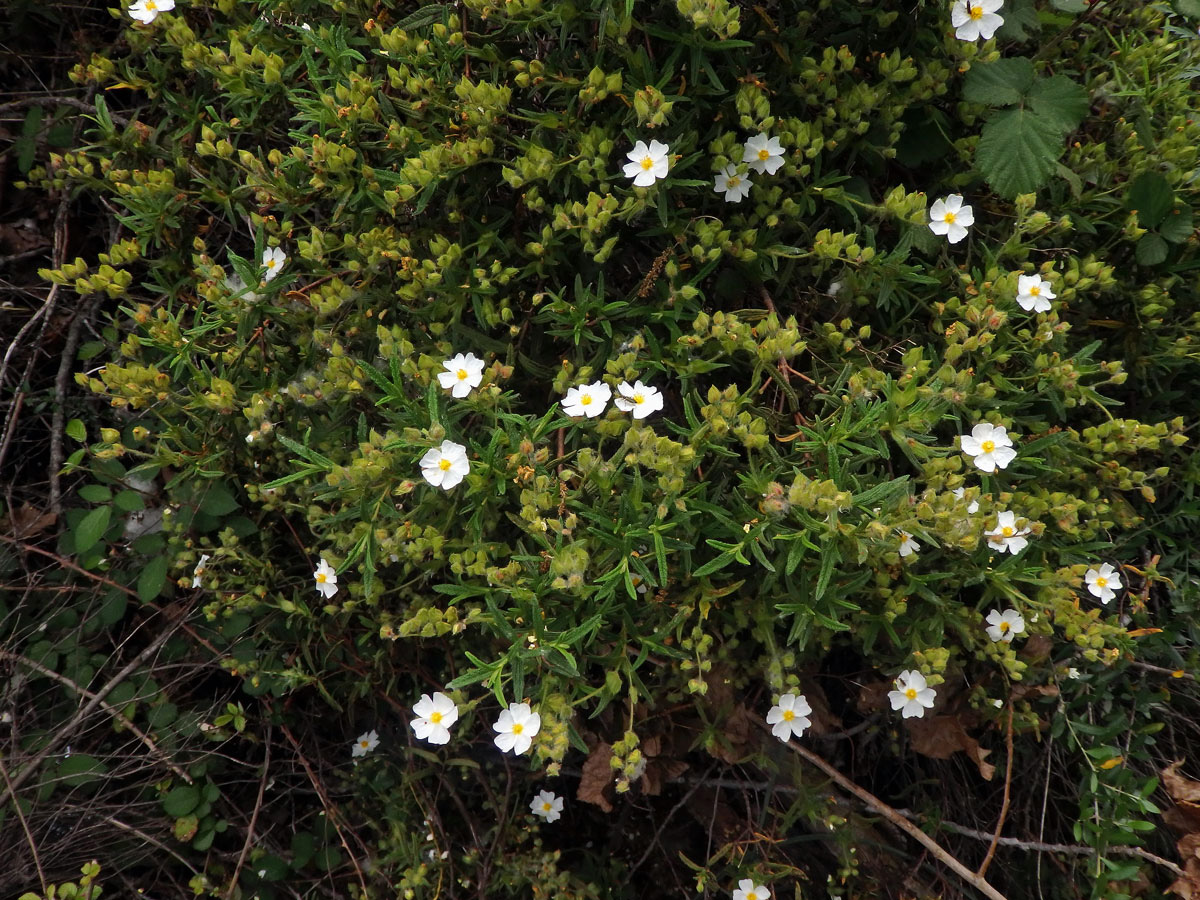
(1017, 151)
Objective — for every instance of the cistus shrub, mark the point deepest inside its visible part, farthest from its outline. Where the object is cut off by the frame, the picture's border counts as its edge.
(320, 203)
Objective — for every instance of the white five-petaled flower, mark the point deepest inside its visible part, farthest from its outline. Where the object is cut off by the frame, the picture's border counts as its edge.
(908, 545)
(435, 715)
(989, 446)
(463, 372)
(1103, 583)
(1006, 535)
(639, 399)
(1034, 294)
(587, 399)
(975, 19)
(735, 187)
(789, 717)
(948, 216)
(972, 507)
(748, 890)
(912, 694)
(366, 742)
(516, 728)
(198, 572)
(146, 10)
(647, 164)
(765, 155)
(326, 579)
(547, 805)
(1004, 626)
(445, 466)
(272, 261)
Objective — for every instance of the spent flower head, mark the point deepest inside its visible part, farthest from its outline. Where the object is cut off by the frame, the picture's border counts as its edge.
(445, 466)
(639, 399)
(765, 155)
(435, 715)
(975, 19)
(464, 371)
(1034, 294)
(949, 217)
(326, 579)
(547, 805)
(989, 447)
(647, 164)
(789, 717)
(587, 399)
(1004, 626)
(1103, 583)
(912, 694)
(516, 727)
(735, 187)
(972, 507)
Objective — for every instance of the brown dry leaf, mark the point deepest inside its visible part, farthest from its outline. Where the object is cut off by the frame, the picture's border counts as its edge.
(942, 736)
(1037, 648)
(732, 743)
(873, 697)
(27, 520)
(1184, 817)
(597, 778)
(660, 770)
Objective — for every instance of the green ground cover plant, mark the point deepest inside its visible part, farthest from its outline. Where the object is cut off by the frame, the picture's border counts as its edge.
(548, 448)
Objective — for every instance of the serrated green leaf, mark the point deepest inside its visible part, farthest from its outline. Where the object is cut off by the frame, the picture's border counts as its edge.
(1188, 8)
(1020, 21)
(91, 527)
(76, 431)
(1017, 152)
(1151, 250)
(1060, 101)
(1152, 197)
(1177, 227)
(1001, 83)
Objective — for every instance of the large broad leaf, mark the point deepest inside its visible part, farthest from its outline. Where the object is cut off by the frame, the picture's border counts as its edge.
(1152, 197)
(1060, 101)
(1150, 250)
(91, 527)
(1017, 151)
(1001, 83)
(1177, 226)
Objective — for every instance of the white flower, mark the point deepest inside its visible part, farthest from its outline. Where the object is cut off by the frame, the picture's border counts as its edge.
(435, 715)
(367, 741)
(764, 154)
(990, 446)
(516, 728)
(999, 704)
(1004, 626)
(587, 399)
(1103, 583)
(445, 466)
(789, 717)
(235, 285)
(974, 19)
(463, 372)
(748, 890)
(198, 572)
(1006, 535)
(972, 507)
(908, 545)
(1034, 294)
(1072, 672)
(145, 10)
(735, 187)
(326, 579)
(273, 260)
(647, 164)
(948, 216)
(911, 694)
(547, 805)
(640, 399)
(639, 584)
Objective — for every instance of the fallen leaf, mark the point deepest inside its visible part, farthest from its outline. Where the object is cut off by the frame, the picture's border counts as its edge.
(597, 778)
(1184, 817)
(731, 743)
(940, 737)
